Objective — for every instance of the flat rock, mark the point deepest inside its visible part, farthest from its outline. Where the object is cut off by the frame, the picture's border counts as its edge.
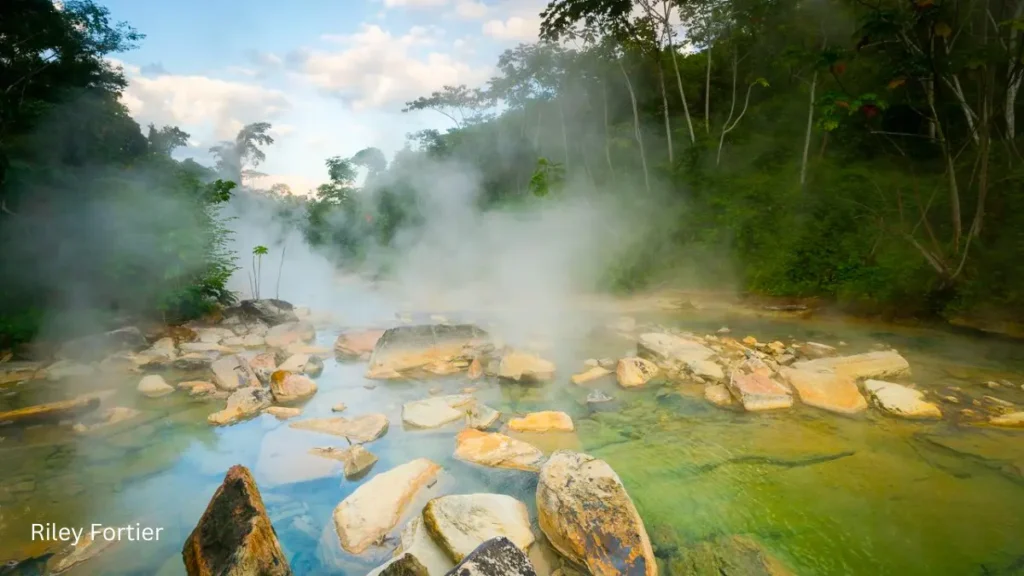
(436, 411)
(496, 451)
(634, 372)
(496, 557)
(408, 350)
(523, 366)
(15, 372)
(357, 460)
(374, 508)
(284, 335)
(481, 416)
(460, 523)
(361, 429)
(417, 554)
(718, 395)
(753, 385)
(594, 373)
(108, 418)
(708, 369)
(546, 421)
(826, 390)
(242, 404)
(1011, 420)
(881, 364)
(357, 344)
(287, 387)
(587, 516)
(51, 412)
(671, 350)
(234, 536)
(814, 350)
(283, 413)
(154, 386)
(900, 400)
(233, 372)
(263, 365)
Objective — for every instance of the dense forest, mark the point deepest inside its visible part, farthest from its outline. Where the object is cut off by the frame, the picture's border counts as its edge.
(864, 152)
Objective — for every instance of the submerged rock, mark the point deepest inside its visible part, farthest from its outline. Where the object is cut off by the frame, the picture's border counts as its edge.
(361, 429)
(826, 390)
(523, 366)
(242, 404)
(883, 364)
(64, 369)
(287, 387)
(900, 400)
(51, 412)
(15, 372)
(718, 395)
(546, 421)
(497, 451)
(233, 372)
(357, 344)
(107, 418)
(598, 397)
(496, 557)
(481, 416)
(357, 460)
(594, 373)
(416, 554)
(372, 511)
(283, 413)
(154, 386)
(633, 372)
(587, 516)
(461, 523)
(437, 411)
(234, 536)
(727, 556)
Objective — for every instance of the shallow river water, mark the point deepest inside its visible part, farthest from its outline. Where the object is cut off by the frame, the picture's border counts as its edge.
(823, 493)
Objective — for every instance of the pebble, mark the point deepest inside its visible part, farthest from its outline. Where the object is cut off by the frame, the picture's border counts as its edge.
(339, 407)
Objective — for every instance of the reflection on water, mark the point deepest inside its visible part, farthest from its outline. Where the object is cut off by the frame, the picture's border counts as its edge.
(825, 494)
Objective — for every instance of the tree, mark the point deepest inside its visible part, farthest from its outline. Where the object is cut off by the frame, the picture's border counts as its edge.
(165, 141)
(458, 103)
(236, 159)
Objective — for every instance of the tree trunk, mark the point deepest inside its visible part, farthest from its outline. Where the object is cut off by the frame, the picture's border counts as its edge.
(607, 132)
(732, 108)
(954, 190)
(707, 94)
(807, 136)
(664, 105)
(675, 65)
(636, 126)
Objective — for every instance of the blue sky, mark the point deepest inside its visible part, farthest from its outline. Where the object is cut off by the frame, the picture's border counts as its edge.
(330, 75)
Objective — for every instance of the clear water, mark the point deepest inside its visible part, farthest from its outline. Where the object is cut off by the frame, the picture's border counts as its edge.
(823, 493)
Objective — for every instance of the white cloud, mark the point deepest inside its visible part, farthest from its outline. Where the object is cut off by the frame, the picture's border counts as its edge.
(471, 9)
(375, 69)
(513, 28)
(414, 3)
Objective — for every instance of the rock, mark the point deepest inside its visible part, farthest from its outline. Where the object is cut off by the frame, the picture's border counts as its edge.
(814, 350)
(481, 417)
(950, 399)
(826, 390)
(587, 516)
(728, 556)
(408, 350)
(476, 369)
(357, 344)
(269, 311)
(900, 400)
(283, 413)
(202, 389)
(189, 385)
(253, 341)
(670, 350)
(997, 402)
(607, 363)
(1012, 420)
(234, 536)
(86, 549)
(107, 418)
(546, 421)
(339, 407)
(287, 387)
(65, 369)
(593, 373)
(707, 369)
(598, 397)
(754, 387)
(233, 372)
(51, 412)
(496, 451)
(750, 341)
(284, 335)
(369, 513)
(633, 372)
(303, 364)
(263, 365)
(516, 365)
(98, 346)
(154, 386)
(213, 335)
(718, 395)
(361, 429)
(242, 404)
(193, 347)
(786, 359)
(357, 460)
(461, 523)
(15, 372)
(496, 557)
(723, 330)
(887, 364)
(591, 363)
(194, 362)
(417, 554)
(777, 348)
(437, 411)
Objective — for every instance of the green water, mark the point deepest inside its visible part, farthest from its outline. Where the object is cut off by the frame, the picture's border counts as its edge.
(824, 494)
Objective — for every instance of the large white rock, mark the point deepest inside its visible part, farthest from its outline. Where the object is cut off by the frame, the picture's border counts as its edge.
(900, 400)
(669, 350)
(881, 364)
(374, 509)
(436, 411)
(243, 403)
(284, 335)
(416, 554)
(154, 386)
(233, 372)
(460, 523)
(361, 429)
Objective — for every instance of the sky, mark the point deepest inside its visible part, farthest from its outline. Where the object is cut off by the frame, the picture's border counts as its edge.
(331, 76)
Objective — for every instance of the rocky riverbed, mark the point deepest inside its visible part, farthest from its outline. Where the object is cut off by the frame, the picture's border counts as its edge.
(412, 444)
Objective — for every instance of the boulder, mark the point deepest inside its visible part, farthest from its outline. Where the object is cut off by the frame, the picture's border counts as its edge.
(283, 413)
(523, 366)
(284, 335)
(481, 416)
(874, 365)
(303, 364)
(587, 516)
(408, 350)
(98, 346)
(753, 385)
(460, 523)
(590, 375)
(369, 513)
(361, 429)
(718, 395)
(813, 350)
(496, 451)
(496, 557)
(234, 536)
(194, 361)
(826, 390)
(1011, 420)
(546, 421)
(154, 386)
(357, 460)
(900, 400)
(436, 411)
(287, 387)
(670, 350)
(417, 554)
(263, 365)
(357, 344)
(233, 372)
(52, 412)
(242, 404)
(203, 389)
(633, 372)
(707, 369)
(269, 311)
